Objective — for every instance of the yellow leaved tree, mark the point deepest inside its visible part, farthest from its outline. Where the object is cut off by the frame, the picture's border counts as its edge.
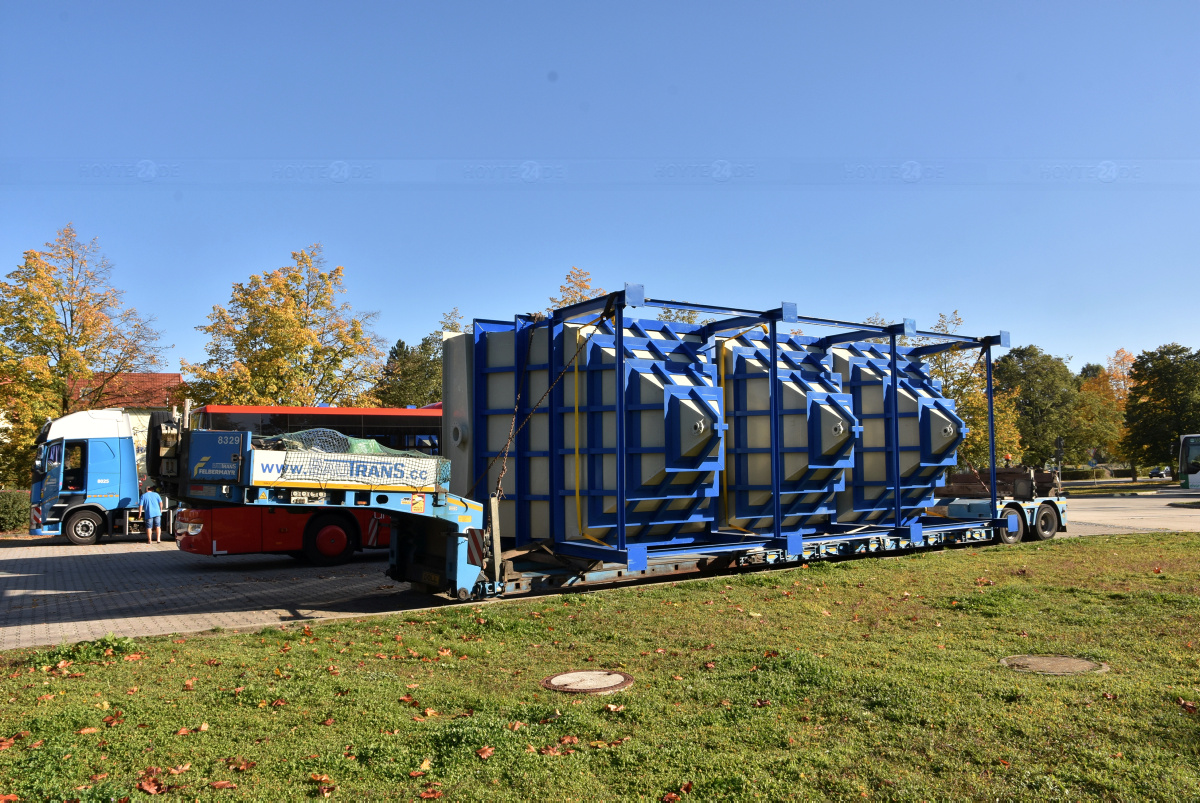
(66, 339)
(284, 339)
(963, 375)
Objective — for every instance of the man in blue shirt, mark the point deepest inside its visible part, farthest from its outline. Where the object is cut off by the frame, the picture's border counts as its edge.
(152, 514)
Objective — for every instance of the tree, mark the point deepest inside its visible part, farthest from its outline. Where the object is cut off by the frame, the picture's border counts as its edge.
(285, 339)
(1163, 403)
(963, 375)
(413, 374)
(577, 287)
(1098, 418)
(1120, 364)
(66, 338)
(1046, 394)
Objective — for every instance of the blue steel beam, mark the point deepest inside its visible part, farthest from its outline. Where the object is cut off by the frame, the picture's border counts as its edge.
(908, 328)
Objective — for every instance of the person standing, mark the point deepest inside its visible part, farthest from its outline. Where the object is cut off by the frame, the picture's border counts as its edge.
(151, 505)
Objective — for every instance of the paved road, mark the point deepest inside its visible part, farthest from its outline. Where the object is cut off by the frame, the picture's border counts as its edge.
(52, 592)
(1146, 512)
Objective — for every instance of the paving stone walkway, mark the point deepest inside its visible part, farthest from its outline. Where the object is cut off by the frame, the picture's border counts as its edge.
(51, 591)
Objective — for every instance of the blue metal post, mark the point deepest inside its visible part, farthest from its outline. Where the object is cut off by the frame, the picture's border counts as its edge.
(622, 452)
(987, 356)
(894, 433)
(776, 434)
(520, 445)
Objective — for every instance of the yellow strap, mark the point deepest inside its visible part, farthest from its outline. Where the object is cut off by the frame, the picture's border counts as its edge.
(725, 443)
(578, 501)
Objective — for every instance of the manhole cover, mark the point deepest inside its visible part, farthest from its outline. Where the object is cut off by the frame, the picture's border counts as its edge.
(1052, 664)
(588, 682)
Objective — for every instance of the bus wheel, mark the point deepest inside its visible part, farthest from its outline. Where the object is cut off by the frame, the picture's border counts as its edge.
(1046, 523)
(1006, 536)
(328, 541)
(83, 528)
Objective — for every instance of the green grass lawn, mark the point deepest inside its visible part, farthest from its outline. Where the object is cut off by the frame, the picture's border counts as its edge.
(873, 678)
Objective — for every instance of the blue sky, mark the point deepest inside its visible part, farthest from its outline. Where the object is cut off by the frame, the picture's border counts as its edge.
(1034, 166)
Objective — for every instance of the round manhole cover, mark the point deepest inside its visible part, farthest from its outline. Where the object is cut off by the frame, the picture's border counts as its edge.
(598, 681)
(1052, 664)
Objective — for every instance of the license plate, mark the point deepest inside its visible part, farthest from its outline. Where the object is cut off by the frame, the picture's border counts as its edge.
(429, 578)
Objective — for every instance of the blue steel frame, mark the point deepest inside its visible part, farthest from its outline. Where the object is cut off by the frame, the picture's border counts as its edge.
(611, 308)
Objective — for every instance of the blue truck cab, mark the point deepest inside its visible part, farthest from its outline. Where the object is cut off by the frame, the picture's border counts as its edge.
(85, 477)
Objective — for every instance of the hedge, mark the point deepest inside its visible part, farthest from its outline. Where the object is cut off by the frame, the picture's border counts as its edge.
(1084, 474)
(14, 511)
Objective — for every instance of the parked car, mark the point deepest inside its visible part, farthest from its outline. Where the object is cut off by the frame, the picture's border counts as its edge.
(1163, 473)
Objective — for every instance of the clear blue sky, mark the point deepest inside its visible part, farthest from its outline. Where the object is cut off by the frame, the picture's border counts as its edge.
(1034, 165)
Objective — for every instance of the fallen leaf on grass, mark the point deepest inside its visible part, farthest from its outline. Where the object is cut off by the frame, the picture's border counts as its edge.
(669, 797)
(430, 794)
(99, 776)
(614, 708)
(223, 785)
(86, 731)
(279, 702)
(676, 677)
(325, 791)
(1158, 570)
(426, 764)
(761, 703)
(328, 721)
(598, 744)
(1005, 763)
(45, 697)
(486, 752)
(770, 654)
(1108, 696)
(1187, 706)
(550, 750)
(429, 712)
(212, 662)
(182, 768)
(133, 690)
(569, 740)
(320, 778)
(240, 764)
(189, 684)
(443, 652)
(515, 726)
(203, 727)
(151, 786)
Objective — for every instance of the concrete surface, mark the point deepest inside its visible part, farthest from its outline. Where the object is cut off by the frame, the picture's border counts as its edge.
(51, 591)
(1146, 512)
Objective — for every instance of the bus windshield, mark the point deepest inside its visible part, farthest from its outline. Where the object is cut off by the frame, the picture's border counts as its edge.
(1189, 461)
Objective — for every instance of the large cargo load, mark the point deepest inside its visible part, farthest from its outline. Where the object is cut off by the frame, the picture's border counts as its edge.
(606, 434)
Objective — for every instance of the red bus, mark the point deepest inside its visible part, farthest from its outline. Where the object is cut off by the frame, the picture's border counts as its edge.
(319, 537)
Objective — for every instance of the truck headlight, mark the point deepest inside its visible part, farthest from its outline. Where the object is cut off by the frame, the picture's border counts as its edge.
(188, 527)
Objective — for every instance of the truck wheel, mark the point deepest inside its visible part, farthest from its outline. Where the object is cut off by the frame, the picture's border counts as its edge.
(1006, 536)
(83, 528)
(328, 540)
(1046, 523)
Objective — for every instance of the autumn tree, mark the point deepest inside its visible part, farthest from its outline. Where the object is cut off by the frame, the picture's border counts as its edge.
(413, 374)
(963, 375)
(1046, 393)
(1098, 418)
(576, 287)
(285, 339)
(66, 339)
(1163, 403)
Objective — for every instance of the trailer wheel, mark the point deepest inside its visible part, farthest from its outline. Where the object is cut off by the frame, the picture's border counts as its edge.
(1046, 523)
(328, 540)
(1006, 536)
(83, 528)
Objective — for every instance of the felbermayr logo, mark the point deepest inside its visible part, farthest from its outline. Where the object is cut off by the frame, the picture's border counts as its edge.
(199, 465)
